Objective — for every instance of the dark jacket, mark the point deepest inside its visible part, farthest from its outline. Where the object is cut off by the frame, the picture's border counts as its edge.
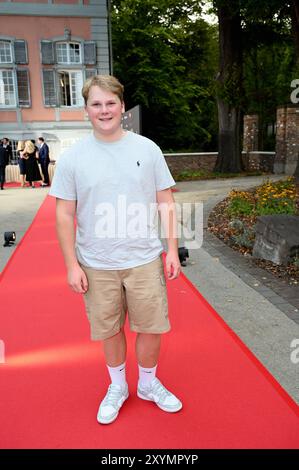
(44, 153)
(4, 156)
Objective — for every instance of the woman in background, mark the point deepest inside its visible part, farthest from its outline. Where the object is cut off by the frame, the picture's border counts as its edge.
(31, 157)
(21, 161)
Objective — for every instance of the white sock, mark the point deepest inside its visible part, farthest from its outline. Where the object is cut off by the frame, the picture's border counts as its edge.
(118, 374)
(146, 375)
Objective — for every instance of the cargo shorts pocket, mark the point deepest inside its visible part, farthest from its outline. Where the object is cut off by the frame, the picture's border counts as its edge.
(164, 296)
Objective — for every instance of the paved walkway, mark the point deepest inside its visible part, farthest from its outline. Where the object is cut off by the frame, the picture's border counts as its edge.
(266, 320)
(246, 297)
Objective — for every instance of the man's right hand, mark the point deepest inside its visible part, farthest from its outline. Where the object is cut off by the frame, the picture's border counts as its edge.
(77, 280)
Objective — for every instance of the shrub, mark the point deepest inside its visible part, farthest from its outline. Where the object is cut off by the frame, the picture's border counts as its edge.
(240, 203)
(276, 198)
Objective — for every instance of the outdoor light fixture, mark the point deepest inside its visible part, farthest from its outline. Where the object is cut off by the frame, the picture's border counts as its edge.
(9, 238)
(183, 254)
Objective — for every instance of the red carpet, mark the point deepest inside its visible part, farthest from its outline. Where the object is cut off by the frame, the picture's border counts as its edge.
(54, 377)
(15, 184)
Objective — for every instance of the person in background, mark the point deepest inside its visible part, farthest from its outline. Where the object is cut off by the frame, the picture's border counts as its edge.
(30, 155)
(3, 163)
(6, 145)
(21, 161)
(44, 160)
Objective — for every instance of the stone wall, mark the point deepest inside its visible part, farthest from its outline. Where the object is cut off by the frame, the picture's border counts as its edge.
(253, 161)
(259, 161)
(179, 162)
(287, 139)
(190, 161)
(251, 133)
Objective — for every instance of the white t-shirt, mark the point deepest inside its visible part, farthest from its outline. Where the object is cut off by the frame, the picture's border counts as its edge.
(114, 184)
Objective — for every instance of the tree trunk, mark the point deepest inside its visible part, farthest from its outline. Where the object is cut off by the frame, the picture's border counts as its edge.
(295, 25)
(295, 31)
(229, 146)
(229, 87)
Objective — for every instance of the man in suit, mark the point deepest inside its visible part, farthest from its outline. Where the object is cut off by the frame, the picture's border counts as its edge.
(44, 160)
(6, 145)
(4, 158)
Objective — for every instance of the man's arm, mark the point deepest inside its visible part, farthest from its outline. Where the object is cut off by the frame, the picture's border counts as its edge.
(166, 207)
(65, 226)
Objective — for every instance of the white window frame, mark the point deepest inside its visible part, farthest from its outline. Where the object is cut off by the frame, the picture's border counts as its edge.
(68, 52)
(3, 41)
(71, 80)
(2, 92)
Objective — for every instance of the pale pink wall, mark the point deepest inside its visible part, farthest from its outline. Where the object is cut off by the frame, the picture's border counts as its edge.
(72, 115)
(32, 29)
(29, 1)
(8, 116)
(65, 1)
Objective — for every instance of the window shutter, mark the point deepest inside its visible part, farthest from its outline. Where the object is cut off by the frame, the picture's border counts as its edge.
(20, 49)
(90, 73)
(23, 88)
(90, 53)
(47, 52)
(50, 98)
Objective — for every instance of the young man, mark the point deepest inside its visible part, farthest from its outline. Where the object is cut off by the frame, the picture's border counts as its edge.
(114, 259)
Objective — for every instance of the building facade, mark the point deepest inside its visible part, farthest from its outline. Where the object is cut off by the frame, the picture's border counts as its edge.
(47, 49)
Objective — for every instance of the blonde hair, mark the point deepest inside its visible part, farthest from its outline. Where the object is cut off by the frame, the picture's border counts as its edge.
(106, 82)
(29, 147)
(21, 145)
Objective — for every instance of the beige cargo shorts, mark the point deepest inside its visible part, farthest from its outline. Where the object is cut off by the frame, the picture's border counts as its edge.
(140, 290)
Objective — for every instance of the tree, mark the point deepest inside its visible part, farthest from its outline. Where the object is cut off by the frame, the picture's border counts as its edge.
(248, 29)
(153, 43)
(294, 7)
(229, 86)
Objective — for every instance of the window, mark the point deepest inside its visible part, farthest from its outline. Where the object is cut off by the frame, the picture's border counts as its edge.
(14, 80)
(62, 84)
(68, 53)
(7, 88)
(23, 87)
(70, 85)
(5, 52)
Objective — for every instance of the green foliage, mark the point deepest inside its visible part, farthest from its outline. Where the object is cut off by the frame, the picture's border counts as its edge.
(167, 57)
(239, 206)
(276, 198)
(282, 205)
(268, 198)
(246, 238)
(162, 54)
(241, 234)
(190, 175)
(268, 72)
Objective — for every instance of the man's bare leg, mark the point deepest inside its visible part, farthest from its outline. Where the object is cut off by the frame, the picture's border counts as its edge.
(115, 349)
(149, 386)
(147, 348)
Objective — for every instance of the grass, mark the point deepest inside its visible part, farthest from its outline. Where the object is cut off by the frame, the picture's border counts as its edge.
(191, 175)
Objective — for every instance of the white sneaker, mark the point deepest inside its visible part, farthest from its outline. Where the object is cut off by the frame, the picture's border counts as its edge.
(111, 404)
(156, 392)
